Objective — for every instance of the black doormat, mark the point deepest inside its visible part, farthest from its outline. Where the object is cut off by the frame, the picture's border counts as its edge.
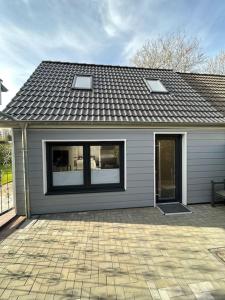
(175, 208)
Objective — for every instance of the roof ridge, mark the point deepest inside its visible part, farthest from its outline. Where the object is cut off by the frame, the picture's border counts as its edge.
(203, 74)
(103, 65)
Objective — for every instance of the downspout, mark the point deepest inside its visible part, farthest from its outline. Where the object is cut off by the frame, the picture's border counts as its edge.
(25, 170)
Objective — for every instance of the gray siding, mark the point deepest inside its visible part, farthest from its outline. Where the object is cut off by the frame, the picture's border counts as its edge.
(205, 161)
(139, 173)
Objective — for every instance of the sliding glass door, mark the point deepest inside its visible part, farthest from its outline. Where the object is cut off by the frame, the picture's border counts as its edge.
(168, 168)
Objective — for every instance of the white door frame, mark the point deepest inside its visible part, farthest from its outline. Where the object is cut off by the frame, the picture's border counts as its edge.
(184, 163)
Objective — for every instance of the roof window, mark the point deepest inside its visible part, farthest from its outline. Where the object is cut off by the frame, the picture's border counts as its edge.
(82, 82)
(155, 86)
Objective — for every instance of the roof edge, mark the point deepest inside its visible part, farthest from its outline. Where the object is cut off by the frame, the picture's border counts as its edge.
(104, 65)
(203, 74)
(120, 124)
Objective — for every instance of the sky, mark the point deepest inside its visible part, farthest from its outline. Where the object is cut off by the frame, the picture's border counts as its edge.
(96, 31)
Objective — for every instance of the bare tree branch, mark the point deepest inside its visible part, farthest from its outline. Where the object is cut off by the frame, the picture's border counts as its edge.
(216, 65)
(175, 52)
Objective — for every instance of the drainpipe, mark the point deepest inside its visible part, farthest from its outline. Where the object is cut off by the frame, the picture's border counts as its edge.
(25, 170)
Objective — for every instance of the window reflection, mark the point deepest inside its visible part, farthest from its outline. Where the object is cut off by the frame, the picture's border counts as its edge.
(105, 164)
(166, 169)
(67, 165)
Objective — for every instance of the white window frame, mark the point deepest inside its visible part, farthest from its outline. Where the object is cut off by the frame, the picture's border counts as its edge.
(44, 158)
(184, 163)
(151, 90)
(82, 88)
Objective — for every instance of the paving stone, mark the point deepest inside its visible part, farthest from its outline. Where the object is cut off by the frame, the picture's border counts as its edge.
(204, 296)
(119, 254)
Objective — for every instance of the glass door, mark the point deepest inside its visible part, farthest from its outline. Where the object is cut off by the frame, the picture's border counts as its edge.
(168, 168)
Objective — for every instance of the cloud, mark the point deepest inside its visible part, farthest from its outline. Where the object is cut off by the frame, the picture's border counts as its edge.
(12, 79)
(159, 18)
(132, 46)
(103, 31)
(115, 17)
(24, 47)
(15, 64)
(14, 39)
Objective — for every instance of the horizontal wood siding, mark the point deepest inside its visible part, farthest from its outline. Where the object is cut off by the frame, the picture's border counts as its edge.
(205, 161)
(140, 174)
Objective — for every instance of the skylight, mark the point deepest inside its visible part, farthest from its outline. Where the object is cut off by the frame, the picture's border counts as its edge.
(83, 82)
(155, 86)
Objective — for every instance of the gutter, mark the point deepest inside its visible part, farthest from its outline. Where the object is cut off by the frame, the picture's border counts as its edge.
(116, 124)
(5, 115)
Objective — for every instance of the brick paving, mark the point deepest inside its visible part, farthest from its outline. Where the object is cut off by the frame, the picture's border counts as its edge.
(117, 254)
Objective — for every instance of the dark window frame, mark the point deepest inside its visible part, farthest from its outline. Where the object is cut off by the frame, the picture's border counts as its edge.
(87, 187)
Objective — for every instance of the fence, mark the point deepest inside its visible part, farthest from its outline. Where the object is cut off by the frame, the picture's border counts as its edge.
(6, 186)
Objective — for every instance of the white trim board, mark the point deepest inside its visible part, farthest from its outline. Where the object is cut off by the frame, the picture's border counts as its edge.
(184, 163)
(137, 128)
(86, 140)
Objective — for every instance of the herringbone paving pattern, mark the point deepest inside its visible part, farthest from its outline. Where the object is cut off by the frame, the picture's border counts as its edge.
(117, 254)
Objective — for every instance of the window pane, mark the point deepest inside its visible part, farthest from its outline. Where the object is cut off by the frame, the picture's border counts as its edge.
(83, 82)
(67, 165)
(166, 169)
(156, 86)
(105, 164)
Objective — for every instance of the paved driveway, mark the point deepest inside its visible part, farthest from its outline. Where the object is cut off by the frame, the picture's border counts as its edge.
(118, 254)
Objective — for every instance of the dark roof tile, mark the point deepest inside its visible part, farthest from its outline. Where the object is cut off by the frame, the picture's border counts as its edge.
(209, 86)
(119, 94)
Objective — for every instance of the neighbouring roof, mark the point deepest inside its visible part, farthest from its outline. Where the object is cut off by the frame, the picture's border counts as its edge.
(3, 88)
(119, 94)
(209, 86)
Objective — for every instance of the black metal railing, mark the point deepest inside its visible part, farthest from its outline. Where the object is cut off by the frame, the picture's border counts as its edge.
(6, 180)
(6, 191)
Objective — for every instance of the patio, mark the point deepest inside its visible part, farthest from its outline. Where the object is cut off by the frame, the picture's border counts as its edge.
(118, 254)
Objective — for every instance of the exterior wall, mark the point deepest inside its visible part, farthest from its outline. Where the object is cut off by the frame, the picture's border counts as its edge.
(139, 172)
(205, 161)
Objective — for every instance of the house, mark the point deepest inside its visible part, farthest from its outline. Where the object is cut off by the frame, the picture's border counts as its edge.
(5, 134)
(90, 137)
(3, 89)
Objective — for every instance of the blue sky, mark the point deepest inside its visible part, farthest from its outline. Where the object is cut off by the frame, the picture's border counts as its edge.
(96, 31)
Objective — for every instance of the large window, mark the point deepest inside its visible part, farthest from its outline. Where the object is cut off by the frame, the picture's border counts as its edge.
(74, 167)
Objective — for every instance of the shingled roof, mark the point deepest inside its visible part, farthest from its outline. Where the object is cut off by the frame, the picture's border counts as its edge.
(209, 86)
(119, 94)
